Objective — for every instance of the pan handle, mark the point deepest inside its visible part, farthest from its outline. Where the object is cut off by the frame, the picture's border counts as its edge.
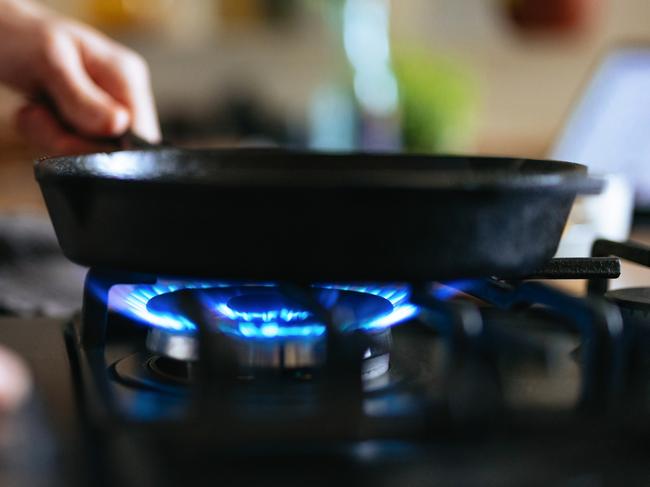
(591, 185)
(132, 141)
(126, 141)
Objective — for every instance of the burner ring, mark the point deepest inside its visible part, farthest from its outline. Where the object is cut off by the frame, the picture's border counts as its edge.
(178, 346)
(175, 378)
(170, 370)
(276, 354)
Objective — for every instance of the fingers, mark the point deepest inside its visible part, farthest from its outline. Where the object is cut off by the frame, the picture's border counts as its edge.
(125, 76)
(99, 88)
(43, 130)
(15, 382)
(83, 104)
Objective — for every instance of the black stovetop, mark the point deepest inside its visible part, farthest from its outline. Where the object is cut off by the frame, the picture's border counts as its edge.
(507, 383)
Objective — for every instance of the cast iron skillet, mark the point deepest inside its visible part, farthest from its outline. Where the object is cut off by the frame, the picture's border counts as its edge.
(307, 216)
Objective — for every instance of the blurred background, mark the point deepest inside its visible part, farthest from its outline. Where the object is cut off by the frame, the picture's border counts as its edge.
(480, 76)
(494, 77)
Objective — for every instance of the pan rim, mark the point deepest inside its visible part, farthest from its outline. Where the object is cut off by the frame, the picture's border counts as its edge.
(161, 167)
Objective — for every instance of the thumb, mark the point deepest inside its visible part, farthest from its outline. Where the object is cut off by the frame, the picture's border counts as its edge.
(84, 106)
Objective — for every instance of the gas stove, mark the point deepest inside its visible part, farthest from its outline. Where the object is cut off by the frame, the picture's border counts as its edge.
(163, 381)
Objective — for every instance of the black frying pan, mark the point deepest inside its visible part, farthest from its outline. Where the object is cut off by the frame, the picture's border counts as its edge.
(275, 214)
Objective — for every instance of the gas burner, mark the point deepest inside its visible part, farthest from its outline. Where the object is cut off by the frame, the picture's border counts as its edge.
(267, 330)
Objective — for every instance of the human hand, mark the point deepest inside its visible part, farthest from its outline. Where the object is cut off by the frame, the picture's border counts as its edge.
(98, 88)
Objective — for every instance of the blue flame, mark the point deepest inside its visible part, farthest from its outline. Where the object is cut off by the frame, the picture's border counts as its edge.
(397, 295)
(448, 290)
(132, 301)
(282, 315)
